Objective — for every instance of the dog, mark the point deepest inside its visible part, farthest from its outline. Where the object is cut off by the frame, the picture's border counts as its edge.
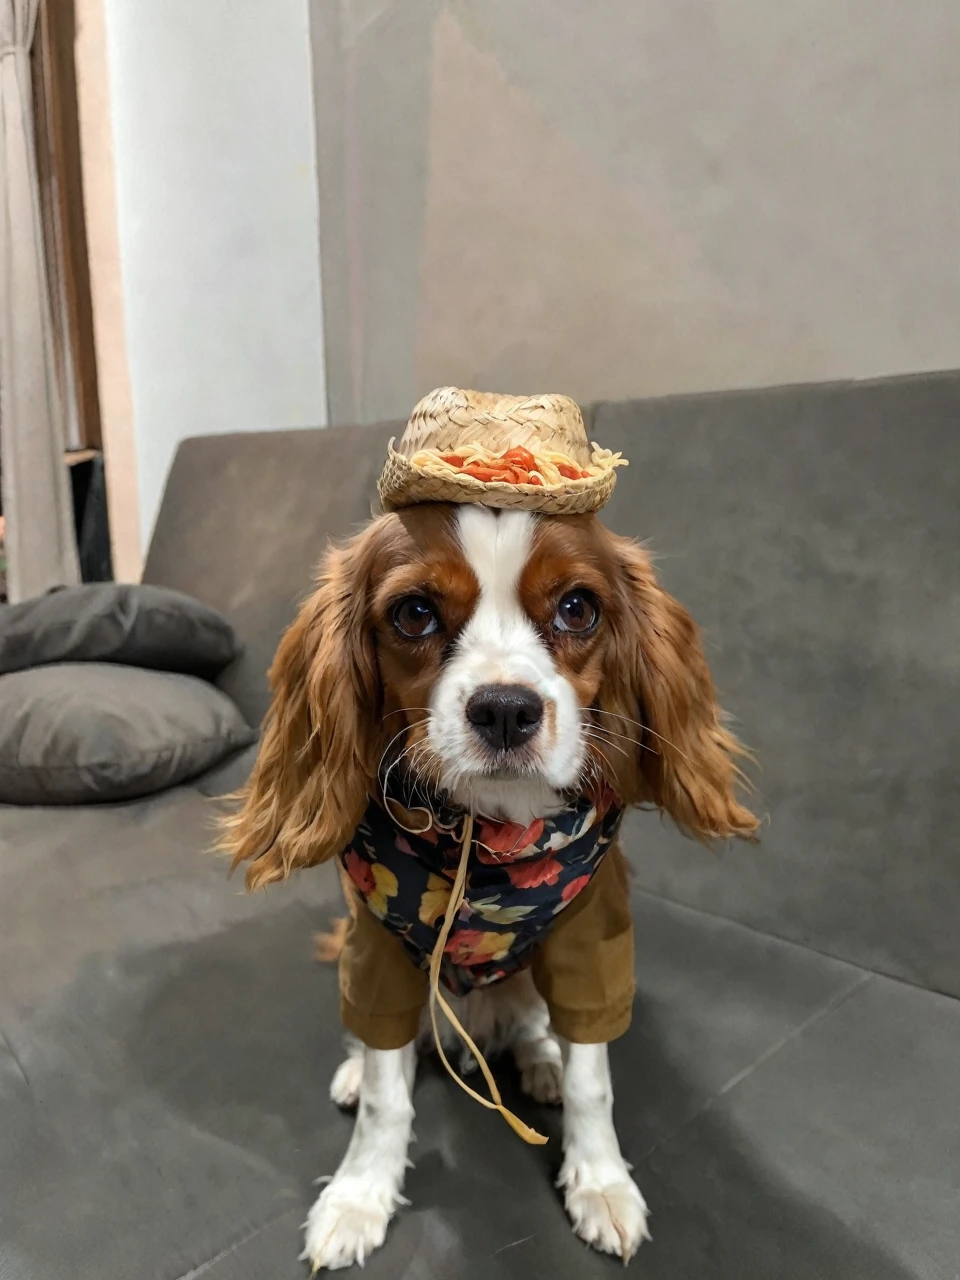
(505, 661)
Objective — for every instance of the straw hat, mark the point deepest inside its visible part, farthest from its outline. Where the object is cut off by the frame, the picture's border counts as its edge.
(462, 446)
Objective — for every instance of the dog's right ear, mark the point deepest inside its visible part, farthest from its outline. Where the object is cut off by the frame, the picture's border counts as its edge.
(318, 750)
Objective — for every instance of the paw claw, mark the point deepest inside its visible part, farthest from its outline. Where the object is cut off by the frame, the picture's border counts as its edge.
(609, 1215)
(345, 1226)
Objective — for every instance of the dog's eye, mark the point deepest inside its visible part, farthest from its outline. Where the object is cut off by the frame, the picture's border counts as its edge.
(415, 617)
(577, 613)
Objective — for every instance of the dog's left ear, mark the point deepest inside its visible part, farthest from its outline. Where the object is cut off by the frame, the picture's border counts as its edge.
(687, 760)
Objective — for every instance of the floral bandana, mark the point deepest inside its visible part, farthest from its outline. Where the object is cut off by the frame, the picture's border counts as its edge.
(519, 879)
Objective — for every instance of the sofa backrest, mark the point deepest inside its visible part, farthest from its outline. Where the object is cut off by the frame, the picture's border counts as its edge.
(812, 531)
(244, 520)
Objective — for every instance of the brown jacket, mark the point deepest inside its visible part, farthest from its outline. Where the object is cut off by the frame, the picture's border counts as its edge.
(583, 969)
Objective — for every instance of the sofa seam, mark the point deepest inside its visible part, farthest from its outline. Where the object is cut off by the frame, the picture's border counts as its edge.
(232, 1248)
(754, 929)
(835, 1002)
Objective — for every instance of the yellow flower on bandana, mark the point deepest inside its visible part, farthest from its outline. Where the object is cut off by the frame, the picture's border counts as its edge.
(434, 900)
(386, 887)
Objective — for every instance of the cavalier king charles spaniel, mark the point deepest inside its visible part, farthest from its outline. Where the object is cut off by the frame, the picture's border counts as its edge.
(507, 660)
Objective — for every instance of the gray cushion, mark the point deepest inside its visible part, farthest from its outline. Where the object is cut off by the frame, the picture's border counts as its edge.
(229, 775)
(142, 626)
(71, 733)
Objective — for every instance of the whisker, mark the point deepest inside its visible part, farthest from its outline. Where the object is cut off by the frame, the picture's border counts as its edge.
(388, 746)
(609, 734)
(603, 755)
(419, 753)
(593, 736)
(602, 728)
(411, 753)
(393, 764)
(593, 769)
(640, 725)
(420, 767)
(421, 772)
(384, 780)
(598, 711)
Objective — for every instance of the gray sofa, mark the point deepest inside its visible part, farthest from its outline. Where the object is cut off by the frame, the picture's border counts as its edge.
(788, 1091)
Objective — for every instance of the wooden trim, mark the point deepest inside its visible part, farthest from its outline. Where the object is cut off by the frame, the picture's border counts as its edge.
(61, 182)
(74, 456)
(103, 239)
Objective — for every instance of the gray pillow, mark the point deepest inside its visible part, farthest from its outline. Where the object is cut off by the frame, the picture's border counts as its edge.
(140, 626)
(229, 775)
(72, 733)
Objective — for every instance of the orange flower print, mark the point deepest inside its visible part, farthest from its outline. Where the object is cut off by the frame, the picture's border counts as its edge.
(503, 841)
(478, 946)
(434, 899)
(570, 891)
(360, 872)
(534, 872)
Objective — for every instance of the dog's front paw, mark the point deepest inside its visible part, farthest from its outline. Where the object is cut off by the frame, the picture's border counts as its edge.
(348, 1222)
(605, 1206)
(542, 1081)
(345, 1085)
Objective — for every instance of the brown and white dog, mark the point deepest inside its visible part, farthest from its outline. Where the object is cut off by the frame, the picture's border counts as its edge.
(505, 657)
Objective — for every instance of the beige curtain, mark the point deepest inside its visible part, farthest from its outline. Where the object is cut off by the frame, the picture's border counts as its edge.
(40, 542)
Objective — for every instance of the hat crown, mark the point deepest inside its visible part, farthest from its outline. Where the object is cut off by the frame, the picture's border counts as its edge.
(449, 417)
(509, 452)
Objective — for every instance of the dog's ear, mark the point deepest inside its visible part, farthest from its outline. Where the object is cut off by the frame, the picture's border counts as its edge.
(318, 749)
(686, 759)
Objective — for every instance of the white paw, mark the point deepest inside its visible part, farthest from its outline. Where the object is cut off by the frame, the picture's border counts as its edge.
(605, 1207)
(542, 1081)
(345, 1085)
(348, 1222)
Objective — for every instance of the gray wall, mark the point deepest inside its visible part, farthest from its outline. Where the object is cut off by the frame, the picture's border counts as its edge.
(634, 198)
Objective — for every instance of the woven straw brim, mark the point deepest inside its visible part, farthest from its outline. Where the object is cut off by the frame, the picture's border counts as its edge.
(403, 485)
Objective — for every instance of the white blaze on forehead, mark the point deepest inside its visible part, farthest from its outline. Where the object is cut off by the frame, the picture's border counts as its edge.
(497, 547)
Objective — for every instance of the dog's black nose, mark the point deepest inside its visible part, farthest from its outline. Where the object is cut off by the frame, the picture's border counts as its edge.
(505, 716)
